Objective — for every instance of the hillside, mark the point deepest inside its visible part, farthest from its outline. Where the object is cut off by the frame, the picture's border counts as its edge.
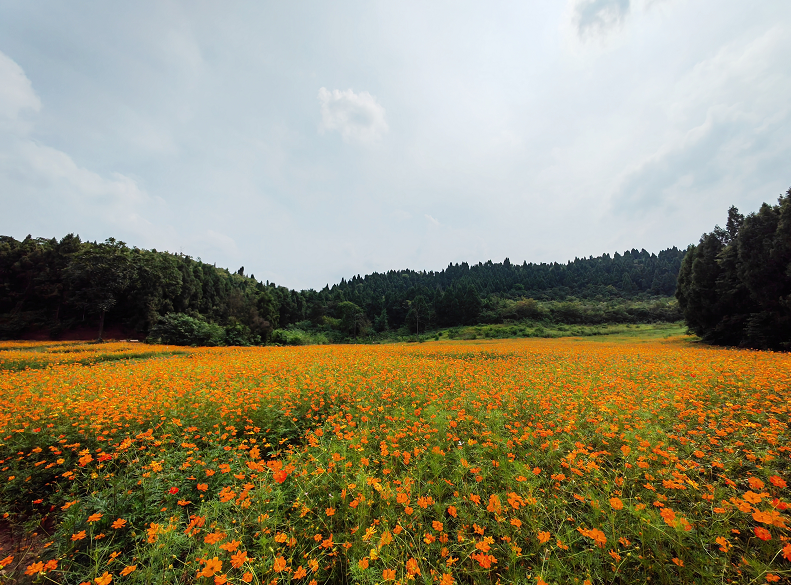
(54, 288)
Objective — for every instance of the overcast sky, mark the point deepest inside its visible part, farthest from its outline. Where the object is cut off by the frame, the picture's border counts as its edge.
(309, 141)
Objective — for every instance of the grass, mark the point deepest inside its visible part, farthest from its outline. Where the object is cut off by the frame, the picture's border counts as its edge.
(624, 458)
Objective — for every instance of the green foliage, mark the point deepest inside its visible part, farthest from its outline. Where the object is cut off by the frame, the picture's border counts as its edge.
(51, 287)
(298, 337)
(181, 329)
(734, 286)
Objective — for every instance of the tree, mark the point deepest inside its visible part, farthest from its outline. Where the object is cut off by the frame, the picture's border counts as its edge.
(98, 274)
(734, 286)
(353, 319)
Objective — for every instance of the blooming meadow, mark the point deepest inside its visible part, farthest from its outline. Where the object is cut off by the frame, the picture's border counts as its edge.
(515, 461)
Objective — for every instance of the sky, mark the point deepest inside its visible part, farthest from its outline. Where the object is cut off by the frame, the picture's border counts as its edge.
(310, 141)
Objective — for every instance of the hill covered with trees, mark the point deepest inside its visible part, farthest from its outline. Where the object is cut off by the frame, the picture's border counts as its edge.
(52, 287)
(734, 287)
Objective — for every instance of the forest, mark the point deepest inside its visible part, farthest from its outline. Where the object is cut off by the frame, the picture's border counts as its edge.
(52, 288)
(734, 286)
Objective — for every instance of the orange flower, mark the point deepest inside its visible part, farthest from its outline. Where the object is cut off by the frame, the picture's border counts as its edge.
(452, 511)
(211, 567)
(388, 575)
(300, 572)
(362, 563)
(127, 570)
(412, 567)
(239, 559)
(762, 533)
(330, 511)
(280, 564)
(247, 577)
(778, 481)
(230, 546)
(34, 568)
(78, 536)
(213, 537)
(94, 518)
(755, 483)
(447, 579)
(120, 523)
(678, 562)
(544, 537)
(6, 561)
(787, 552)
(437, 526)
(280, 475)
(104, 579)
(616, 504)
(202, 487)
(596, 535)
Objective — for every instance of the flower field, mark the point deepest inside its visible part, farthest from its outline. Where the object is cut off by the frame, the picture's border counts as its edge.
(514, 461)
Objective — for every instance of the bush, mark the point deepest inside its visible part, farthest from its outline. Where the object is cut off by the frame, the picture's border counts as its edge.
(298, 337)
(181, 329)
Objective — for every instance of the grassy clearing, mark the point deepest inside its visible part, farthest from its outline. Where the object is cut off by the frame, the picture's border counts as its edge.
(603, 460)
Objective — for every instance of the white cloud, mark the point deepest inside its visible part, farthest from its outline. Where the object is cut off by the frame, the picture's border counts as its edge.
(358, 117)
(593, 17)
(728, 120)
(432, 220)
(16, 94)
(39, 184)
(222, 242)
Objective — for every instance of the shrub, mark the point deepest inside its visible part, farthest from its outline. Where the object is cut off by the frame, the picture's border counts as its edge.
(181, 329)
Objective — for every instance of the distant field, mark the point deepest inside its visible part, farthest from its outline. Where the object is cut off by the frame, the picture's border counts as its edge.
(625, 458)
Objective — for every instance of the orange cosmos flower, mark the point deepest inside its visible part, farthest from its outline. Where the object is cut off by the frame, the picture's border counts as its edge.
(280, 564)
(127, 570)
(104, 579)
(211, 567)
(616, 504)
(94, 518)
(762, 533)
(239, 559)
(213, 538)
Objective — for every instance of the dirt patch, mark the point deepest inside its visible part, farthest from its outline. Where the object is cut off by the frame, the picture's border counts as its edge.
(24, 548)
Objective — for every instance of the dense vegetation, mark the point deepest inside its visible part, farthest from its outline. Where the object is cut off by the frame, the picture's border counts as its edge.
(50, 287)
(734, 287)
(509, 462)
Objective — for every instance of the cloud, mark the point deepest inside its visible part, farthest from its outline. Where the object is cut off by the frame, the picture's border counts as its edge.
(431, 219)
(16, 94)
(34, 176)
(358, 117)
(728, 120)
(594, 17)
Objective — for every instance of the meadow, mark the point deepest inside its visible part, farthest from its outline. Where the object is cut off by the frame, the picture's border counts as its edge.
(541, 461)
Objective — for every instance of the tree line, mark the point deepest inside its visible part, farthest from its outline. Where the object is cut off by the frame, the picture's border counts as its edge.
(734, 286)
(50, 286)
